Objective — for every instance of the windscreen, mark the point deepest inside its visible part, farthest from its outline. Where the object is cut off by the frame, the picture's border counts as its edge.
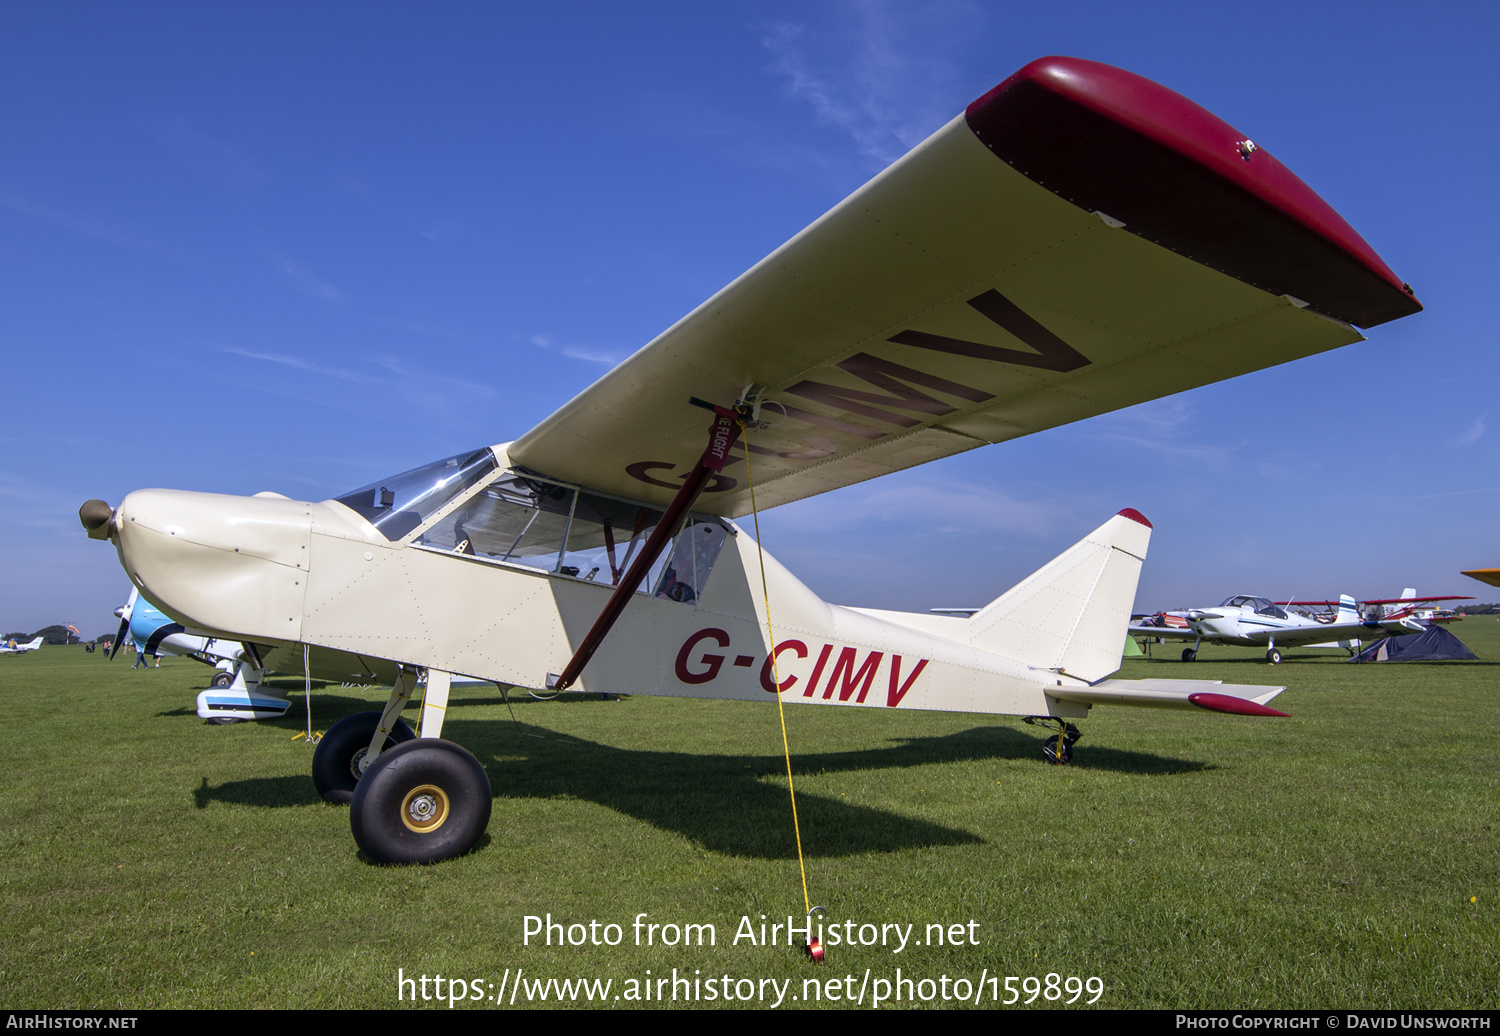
(399, 504)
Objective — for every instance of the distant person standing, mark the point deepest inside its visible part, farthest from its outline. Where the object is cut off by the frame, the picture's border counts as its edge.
(140, 658)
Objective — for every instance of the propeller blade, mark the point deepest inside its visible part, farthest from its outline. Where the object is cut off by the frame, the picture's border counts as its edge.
(120, 636)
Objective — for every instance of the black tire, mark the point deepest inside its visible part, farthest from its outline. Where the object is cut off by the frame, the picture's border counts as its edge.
(221, 679)
(335, 762)
(1273, 656)
(422, 802)
(1049, 751)
(1189, 655)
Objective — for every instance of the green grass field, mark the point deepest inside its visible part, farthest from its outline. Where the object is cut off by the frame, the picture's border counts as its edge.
(1346, 857)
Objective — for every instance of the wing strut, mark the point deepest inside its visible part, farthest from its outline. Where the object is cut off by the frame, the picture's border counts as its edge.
(722, 434)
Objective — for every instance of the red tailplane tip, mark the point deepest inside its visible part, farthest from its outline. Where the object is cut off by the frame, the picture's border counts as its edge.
(1135, 516)
(1229, 703)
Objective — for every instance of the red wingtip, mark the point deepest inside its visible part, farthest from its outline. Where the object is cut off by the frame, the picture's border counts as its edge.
(1135, 516)
(1113, 142)
(1229, 703)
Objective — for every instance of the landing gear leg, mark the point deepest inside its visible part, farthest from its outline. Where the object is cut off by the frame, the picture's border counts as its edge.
(435, 703)
(355, 743)
(1058, 748)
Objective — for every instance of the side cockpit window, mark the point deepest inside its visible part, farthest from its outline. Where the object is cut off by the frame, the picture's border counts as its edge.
(525, 519)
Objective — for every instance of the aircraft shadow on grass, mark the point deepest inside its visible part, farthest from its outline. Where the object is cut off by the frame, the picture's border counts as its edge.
(730, 804)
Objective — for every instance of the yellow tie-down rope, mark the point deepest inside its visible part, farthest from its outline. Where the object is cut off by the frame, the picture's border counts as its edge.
(812, 944)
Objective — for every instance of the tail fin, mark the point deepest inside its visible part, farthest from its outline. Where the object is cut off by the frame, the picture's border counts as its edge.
(1071, 614)
(1348, 612)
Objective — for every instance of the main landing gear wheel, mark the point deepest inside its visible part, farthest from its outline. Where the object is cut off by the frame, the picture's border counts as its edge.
(1273, 656)
(421, 802)
(1189, 655)
(336, 762)
(221, 679)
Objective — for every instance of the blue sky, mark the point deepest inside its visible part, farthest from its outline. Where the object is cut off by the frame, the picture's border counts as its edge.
(299, 247)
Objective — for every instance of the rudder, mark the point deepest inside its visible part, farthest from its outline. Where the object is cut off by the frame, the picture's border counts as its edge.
(1071, 615)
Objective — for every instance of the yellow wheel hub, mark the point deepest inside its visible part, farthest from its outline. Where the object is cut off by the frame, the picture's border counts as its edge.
(424, 809)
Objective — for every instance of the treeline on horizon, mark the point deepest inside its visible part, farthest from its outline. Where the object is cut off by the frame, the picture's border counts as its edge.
(56, 635)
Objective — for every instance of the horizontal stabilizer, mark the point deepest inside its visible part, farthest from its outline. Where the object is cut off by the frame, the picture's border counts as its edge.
(1229, 703)
(1240, 699)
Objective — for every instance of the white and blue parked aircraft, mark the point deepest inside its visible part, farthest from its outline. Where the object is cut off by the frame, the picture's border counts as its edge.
(234, 692)
(1079, 239)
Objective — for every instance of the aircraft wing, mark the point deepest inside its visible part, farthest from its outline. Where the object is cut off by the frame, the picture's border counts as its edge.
(1163, 632)
(1387, 600)
(1295, 635)
(1078, 240)
(1485, 575)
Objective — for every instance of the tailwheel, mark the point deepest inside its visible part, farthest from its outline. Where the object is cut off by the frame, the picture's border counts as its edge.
(421, 802)
(1273, 656)
(1058, 748)
(339, 759)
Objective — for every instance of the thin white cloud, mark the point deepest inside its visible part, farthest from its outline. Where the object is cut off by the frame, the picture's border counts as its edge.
(439, 231)
(881, 76)
(1473, 432)
(1164, 427)
(927, 508)
(198, 150)
(297, 363)
(588, 354)
(26, 504)
(306, 281)
(390, 378)
(112, 233)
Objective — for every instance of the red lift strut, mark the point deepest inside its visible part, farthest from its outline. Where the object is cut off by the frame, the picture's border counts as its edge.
(722, 435)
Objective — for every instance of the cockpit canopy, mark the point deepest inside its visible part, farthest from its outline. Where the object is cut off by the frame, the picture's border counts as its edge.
(399, 504)
(466, 505)
(1260, 605)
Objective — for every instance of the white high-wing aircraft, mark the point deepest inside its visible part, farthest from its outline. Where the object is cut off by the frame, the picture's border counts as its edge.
(10, 647)
(1258, 622)
(1079, 239)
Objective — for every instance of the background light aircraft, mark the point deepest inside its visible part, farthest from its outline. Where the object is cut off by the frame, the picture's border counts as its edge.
(11, 647)
(235, 691)
(1077, 240)
(1407, 606)
(1258, 622)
